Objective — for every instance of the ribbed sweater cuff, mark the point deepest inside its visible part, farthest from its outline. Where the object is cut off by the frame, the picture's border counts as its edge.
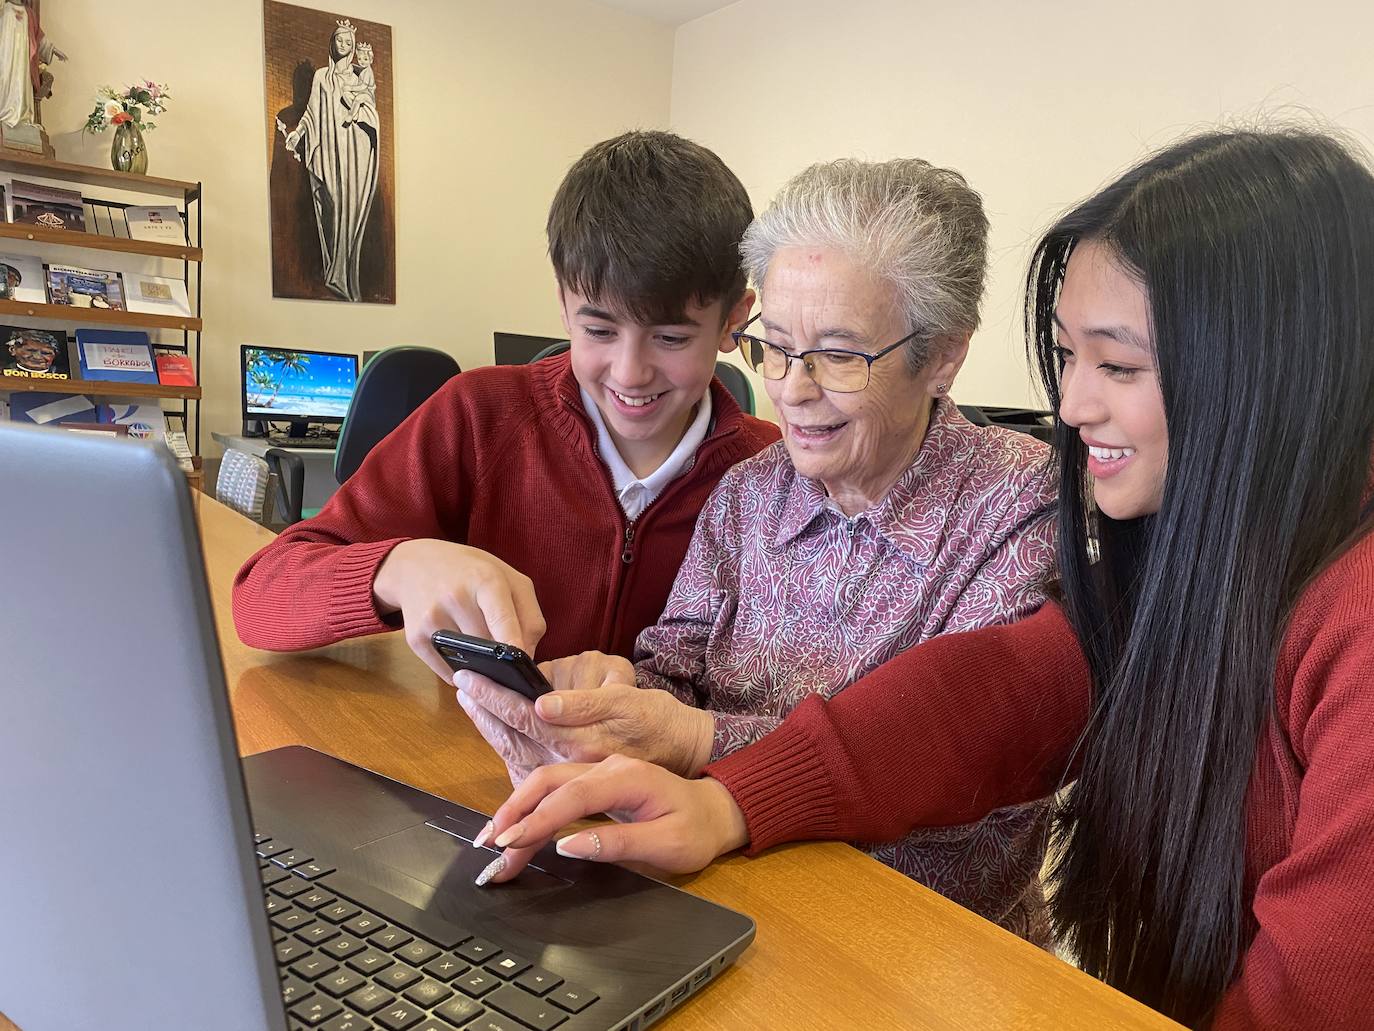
(781, 786)
(352, 611)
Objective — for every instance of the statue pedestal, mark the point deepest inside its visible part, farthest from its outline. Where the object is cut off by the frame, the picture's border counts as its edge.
(26, 139)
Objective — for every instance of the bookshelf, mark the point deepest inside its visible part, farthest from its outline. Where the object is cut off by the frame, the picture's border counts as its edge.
(39, 241)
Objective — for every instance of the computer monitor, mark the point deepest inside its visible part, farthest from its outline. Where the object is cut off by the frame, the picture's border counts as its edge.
(519, 348)
(301, 386)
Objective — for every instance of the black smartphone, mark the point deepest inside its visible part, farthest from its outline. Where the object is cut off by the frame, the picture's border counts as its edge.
(506, 664)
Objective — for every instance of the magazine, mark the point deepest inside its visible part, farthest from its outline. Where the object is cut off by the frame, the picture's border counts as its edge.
(34, 353)
(114, 354)
(21, 279)
(84, 288)
(175, 370)
(145, 419)
(44, 408)
(155, 295)
(47, 206)
(160, 224)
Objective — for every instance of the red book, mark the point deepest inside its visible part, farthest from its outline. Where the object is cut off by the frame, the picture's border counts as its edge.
(175, 370)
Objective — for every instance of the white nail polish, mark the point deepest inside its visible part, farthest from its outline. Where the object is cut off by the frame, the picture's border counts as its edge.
(558, 847)
(484, 835)
(493, 868)
(508, 835)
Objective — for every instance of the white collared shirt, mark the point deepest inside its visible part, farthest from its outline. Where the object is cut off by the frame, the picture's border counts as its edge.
(633, 493)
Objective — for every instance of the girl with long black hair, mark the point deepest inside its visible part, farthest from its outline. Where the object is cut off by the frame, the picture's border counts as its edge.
(1204, 327)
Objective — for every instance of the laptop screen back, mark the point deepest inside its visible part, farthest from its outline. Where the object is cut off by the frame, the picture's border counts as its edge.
(127, 878)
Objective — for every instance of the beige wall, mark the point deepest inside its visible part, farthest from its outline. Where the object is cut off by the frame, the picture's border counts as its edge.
(494, 98)
(1036, 103)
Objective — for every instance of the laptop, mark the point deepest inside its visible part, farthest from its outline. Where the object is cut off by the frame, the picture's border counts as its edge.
(136, 890)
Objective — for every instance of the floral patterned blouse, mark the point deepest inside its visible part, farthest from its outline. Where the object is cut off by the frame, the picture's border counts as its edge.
(781, 595)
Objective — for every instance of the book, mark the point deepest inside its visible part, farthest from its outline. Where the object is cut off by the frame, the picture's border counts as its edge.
(43, 408)
(4, 204)
(47, 206)
(175, 370)
(84, 287)
(21, 279)
(83, 426)
(34, 353)
(115, 354)
(155, 295)
(145, 419)
(160, 224)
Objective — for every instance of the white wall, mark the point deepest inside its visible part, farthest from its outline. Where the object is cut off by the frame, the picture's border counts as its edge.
(494, 99)
(1036, 103)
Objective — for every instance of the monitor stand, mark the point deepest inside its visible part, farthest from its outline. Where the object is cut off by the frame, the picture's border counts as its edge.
(299, 428)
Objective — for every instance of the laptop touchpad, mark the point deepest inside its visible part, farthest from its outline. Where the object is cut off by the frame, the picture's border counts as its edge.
(442, 860)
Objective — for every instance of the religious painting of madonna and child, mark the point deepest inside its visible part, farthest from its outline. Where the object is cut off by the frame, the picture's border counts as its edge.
(330, 142)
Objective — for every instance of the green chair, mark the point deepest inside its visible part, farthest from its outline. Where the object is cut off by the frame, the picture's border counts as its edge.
(733, 379)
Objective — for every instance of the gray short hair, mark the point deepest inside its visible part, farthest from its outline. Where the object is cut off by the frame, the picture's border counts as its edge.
(915, 226)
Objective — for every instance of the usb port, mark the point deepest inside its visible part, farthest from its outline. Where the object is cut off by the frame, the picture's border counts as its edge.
(655, 1011)
(680, 992)
(701, 977)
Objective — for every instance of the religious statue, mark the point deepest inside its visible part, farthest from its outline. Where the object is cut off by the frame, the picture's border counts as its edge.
(25, 54)
(337, 139)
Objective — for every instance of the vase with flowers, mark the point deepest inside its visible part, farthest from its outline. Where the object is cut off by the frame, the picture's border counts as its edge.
(127, 112)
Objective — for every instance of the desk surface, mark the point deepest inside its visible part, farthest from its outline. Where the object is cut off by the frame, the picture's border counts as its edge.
(892, 952)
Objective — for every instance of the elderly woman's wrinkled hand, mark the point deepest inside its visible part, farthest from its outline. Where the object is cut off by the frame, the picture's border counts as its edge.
(674, 824)
(588, 726)
(588, 670)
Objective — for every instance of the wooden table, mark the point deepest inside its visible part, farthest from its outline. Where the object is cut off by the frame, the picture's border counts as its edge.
(843, 941)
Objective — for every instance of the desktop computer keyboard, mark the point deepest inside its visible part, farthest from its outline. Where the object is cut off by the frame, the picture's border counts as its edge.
(345, 967)
(320, 442)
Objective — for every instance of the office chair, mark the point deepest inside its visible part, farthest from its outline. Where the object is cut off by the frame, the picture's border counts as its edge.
(242, 483)
(519, 348)
(733, 379)
(288, 476)
(557, 347)
(395, 383)
(974, 414)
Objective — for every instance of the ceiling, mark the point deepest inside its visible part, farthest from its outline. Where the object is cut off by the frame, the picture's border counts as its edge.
(669, 12)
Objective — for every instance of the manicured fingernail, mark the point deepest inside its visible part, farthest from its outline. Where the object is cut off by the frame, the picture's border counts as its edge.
(493, 868)
(484, 835)
(508, 835)
(574, 849)
(550, 705)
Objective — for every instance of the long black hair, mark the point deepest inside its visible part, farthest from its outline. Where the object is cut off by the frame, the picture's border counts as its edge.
(1256, 251)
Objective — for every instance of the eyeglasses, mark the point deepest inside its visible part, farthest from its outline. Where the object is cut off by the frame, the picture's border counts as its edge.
(844, 372)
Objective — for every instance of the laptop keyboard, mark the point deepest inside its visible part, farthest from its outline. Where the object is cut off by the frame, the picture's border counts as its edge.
(345, 967)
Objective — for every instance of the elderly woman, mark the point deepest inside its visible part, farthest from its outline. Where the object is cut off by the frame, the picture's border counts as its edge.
(882, 519)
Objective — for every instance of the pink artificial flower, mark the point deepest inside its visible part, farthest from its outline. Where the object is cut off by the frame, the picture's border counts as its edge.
(121, 118)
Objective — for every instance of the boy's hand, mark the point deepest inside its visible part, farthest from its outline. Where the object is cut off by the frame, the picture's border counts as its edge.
(439, 585)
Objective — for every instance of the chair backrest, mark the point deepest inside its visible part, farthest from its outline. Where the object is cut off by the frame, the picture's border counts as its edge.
(733, 379)
(557, 347)
(242, 483)
(288, 473)
(395, 383)
(519, 348)
(975, 415)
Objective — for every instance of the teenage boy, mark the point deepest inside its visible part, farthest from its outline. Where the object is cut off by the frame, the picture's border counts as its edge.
(557, 496)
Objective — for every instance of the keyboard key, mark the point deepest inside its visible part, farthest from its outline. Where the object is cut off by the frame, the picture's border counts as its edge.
(538, 980)
(338, 912)
(445, 968)
(390, 939)
(476, 983)
(348, 1021)
(428, 993)
(293, 989)
(344, 946)
(313, 966)
(574, 998)
(317, 933)
(494, 1022)
(275, 905)
(259, 839)
(291, 919)
(314, 899)
(290, 860)
(370, 961)
(370, 998)
(400, 1016)
(311, 870)
(417, 953)
(540, 1014)
(508, 967)
(341, 982)
(459, 1010)
(272, 848)
(364, 924)
(291, 887)
(289, 951)
(397, 977)
(478, 950)
(273, 874)
(315, 1011)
